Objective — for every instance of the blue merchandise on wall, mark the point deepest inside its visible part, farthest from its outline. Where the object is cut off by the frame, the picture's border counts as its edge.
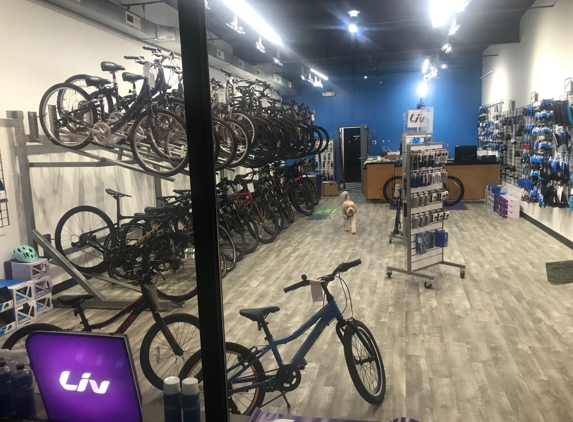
(381, 101)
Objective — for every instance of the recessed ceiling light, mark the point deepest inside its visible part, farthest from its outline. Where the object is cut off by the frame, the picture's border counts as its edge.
(352, 28)
(444, 66)
(353, 13)
(366, 77)
(447, 48)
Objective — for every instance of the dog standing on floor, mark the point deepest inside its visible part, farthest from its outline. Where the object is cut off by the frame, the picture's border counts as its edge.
(348, 213)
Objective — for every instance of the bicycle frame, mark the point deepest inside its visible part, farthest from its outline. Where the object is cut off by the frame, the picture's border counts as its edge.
(249, 199)
(322, 319)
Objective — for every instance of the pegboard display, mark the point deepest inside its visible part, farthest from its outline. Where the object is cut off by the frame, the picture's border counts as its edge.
(4, 216)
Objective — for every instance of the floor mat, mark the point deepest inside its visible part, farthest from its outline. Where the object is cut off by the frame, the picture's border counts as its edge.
(325, 211)
(559, 272)
(457, 207)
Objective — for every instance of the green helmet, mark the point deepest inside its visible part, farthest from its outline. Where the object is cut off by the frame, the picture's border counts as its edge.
(25, 253)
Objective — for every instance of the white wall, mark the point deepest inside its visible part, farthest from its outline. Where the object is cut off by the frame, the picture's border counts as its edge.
(540, 62)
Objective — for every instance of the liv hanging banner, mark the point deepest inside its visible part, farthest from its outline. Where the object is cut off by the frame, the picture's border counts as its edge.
(260, 416)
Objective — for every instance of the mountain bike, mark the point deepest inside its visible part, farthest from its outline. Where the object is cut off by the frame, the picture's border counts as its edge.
(453, 185)
(247, 379)
(155, 244)
(166, 346)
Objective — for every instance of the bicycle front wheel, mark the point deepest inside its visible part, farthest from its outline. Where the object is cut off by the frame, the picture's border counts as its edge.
(237, 358)
(364, 362)
(169, 262)
(455, 189)
(267, 223)
(302, 201)
(158, 359)
(81, 236)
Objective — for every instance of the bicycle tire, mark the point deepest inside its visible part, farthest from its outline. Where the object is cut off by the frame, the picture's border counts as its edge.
(388, 189)
(243, 141)
(92, 91)
(237, 233)
(301, 199)
(225, 136)
(101, 263)
(222, 264)
(227, 245)
(193, 368)
(284, 222)
(311, 187)
(22, 333)
(267, 227)
(380, 389)
(169, 262)
(153, 352)
(72, 125)
(250, 228)
(163, 164)
(126, 262)
(457, 189)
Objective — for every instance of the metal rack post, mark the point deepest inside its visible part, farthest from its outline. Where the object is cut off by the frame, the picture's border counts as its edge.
(435, 256)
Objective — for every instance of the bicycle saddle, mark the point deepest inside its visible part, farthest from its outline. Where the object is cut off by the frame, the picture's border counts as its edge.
(257, 314)
(74, 301)
(158, 210)
(96, 81)
(131, 77)
(116, 194)
(111, 67)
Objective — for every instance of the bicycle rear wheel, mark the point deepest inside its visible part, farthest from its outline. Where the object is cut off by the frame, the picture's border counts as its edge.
(158, 359)
(364, 362)
(227, 246)
(77, 230)
(169, 262)
(301, 200)
(237, 234)
(267, 223)
(311, 187)
(389, 190)
(455, 189)
(237, 358)
(17, 340)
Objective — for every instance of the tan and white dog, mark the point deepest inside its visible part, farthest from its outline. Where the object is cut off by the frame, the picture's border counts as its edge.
(348, 213)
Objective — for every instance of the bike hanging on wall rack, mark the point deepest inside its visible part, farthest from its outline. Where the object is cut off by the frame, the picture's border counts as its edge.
(248, 381)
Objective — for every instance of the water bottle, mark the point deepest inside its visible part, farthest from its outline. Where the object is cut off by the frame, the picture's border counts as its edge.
(6, 394)
(23, 386)
(190, 400)
(172, 399)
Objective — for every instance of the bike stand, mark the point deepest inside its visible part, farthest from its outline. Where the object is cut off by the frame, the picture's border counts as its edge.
(99, 301)
(397, 223)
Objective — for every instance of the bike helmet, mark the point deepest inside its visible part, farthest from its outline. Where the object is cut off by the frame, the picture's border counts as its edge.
(25, 253)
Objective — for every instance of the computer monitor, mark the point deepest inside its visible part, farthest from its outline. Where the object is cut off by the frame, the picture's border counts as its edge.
(466, 153)
(85, 377)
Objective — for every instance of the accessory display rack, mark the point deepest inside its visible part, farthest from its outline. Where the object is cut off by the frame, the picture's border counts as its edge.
(434, 256)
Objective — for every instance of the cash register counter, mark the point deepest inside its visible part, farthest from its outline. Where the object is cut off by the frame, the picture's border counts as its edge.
(475, 178)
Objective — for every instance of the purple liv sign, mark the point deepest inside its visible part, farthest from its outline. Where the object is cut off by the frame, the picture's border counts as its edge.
(85, 377)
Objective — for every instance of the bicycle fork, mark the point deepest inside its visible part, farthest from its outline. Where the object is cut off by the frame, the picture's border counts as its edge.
(348, 324)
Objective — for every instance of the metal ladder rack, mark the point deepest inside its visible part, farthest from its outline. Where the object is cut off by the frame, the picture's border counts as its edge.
(23, 149)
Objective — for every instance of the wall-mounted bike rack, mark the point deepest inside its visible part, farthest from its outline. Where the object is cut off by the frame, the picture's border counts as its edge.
(32, 144)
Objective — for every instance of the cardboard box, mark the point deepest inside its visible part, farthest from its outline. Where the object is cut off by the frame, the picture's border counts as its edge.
(42, 287)
(329, 188)
(21, 291)
(44, 304)
(25, 314)
(33, 271)
(7, 323)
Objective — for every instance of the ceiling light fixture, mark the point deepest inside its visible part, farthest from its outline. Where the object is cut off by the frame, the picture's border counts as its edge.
(352, 28)
(366, 77)
(277, 61)
(234, 25)
(447, 48)
(422, 89)
(454, 28)
(353, 13)
(260, 45)
(444, 66)
(247, 14)
(462, 4)
(441, 11)
(426, 65)
(320, 75)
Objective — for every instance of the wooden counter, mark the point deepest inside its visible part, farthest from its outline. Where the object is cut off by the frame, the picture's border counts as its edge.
(475, 178)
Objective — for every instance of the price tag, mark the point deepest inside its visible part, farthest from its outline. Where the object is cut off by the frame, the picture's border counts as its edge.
(221, 97)
(265, 102)
(316, 291)
(251, 187)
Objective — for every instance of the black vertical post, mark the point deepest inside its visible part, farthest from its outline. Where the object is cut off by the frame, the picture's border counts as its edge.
(202, 171)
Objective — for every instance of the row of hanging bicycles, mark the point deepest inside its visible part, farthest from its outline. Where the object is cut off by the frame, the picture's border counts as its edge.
(250, 127)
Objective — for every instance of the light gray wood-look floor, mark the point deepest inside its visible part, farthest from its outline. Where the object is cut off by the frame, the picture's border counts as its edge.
(495, 346)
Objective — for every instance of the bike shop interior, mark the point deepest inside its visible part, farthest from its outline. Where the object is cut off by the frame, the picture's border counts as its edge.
(197, 190)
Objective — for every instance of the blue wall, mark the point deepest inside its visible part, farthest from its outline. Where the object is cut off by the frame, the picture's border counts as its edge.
(380, 102)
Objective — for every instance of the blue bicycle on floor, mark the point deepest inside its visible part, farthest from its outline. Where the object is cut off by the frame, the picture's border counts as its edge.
(248, 381)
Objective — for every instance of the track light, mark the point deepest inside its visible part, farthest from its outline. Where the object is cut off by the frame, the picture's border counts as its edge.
(454, 28)
(260, 45)
(247, 14)
(426, 65)
(234, 25)
(352, 28)
(462, 4)
(353, 13)
(447, 48)
(366, 77)
(320, 75)
(444, 66)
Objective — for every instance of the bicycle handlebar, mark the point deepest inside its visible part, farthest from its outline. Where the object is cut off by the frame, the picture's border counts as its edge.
(134, 57)
(345, 266)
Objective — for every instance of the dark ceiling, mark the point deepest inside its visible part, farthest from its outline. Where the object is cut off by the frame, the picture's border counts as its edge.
(394, 36)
